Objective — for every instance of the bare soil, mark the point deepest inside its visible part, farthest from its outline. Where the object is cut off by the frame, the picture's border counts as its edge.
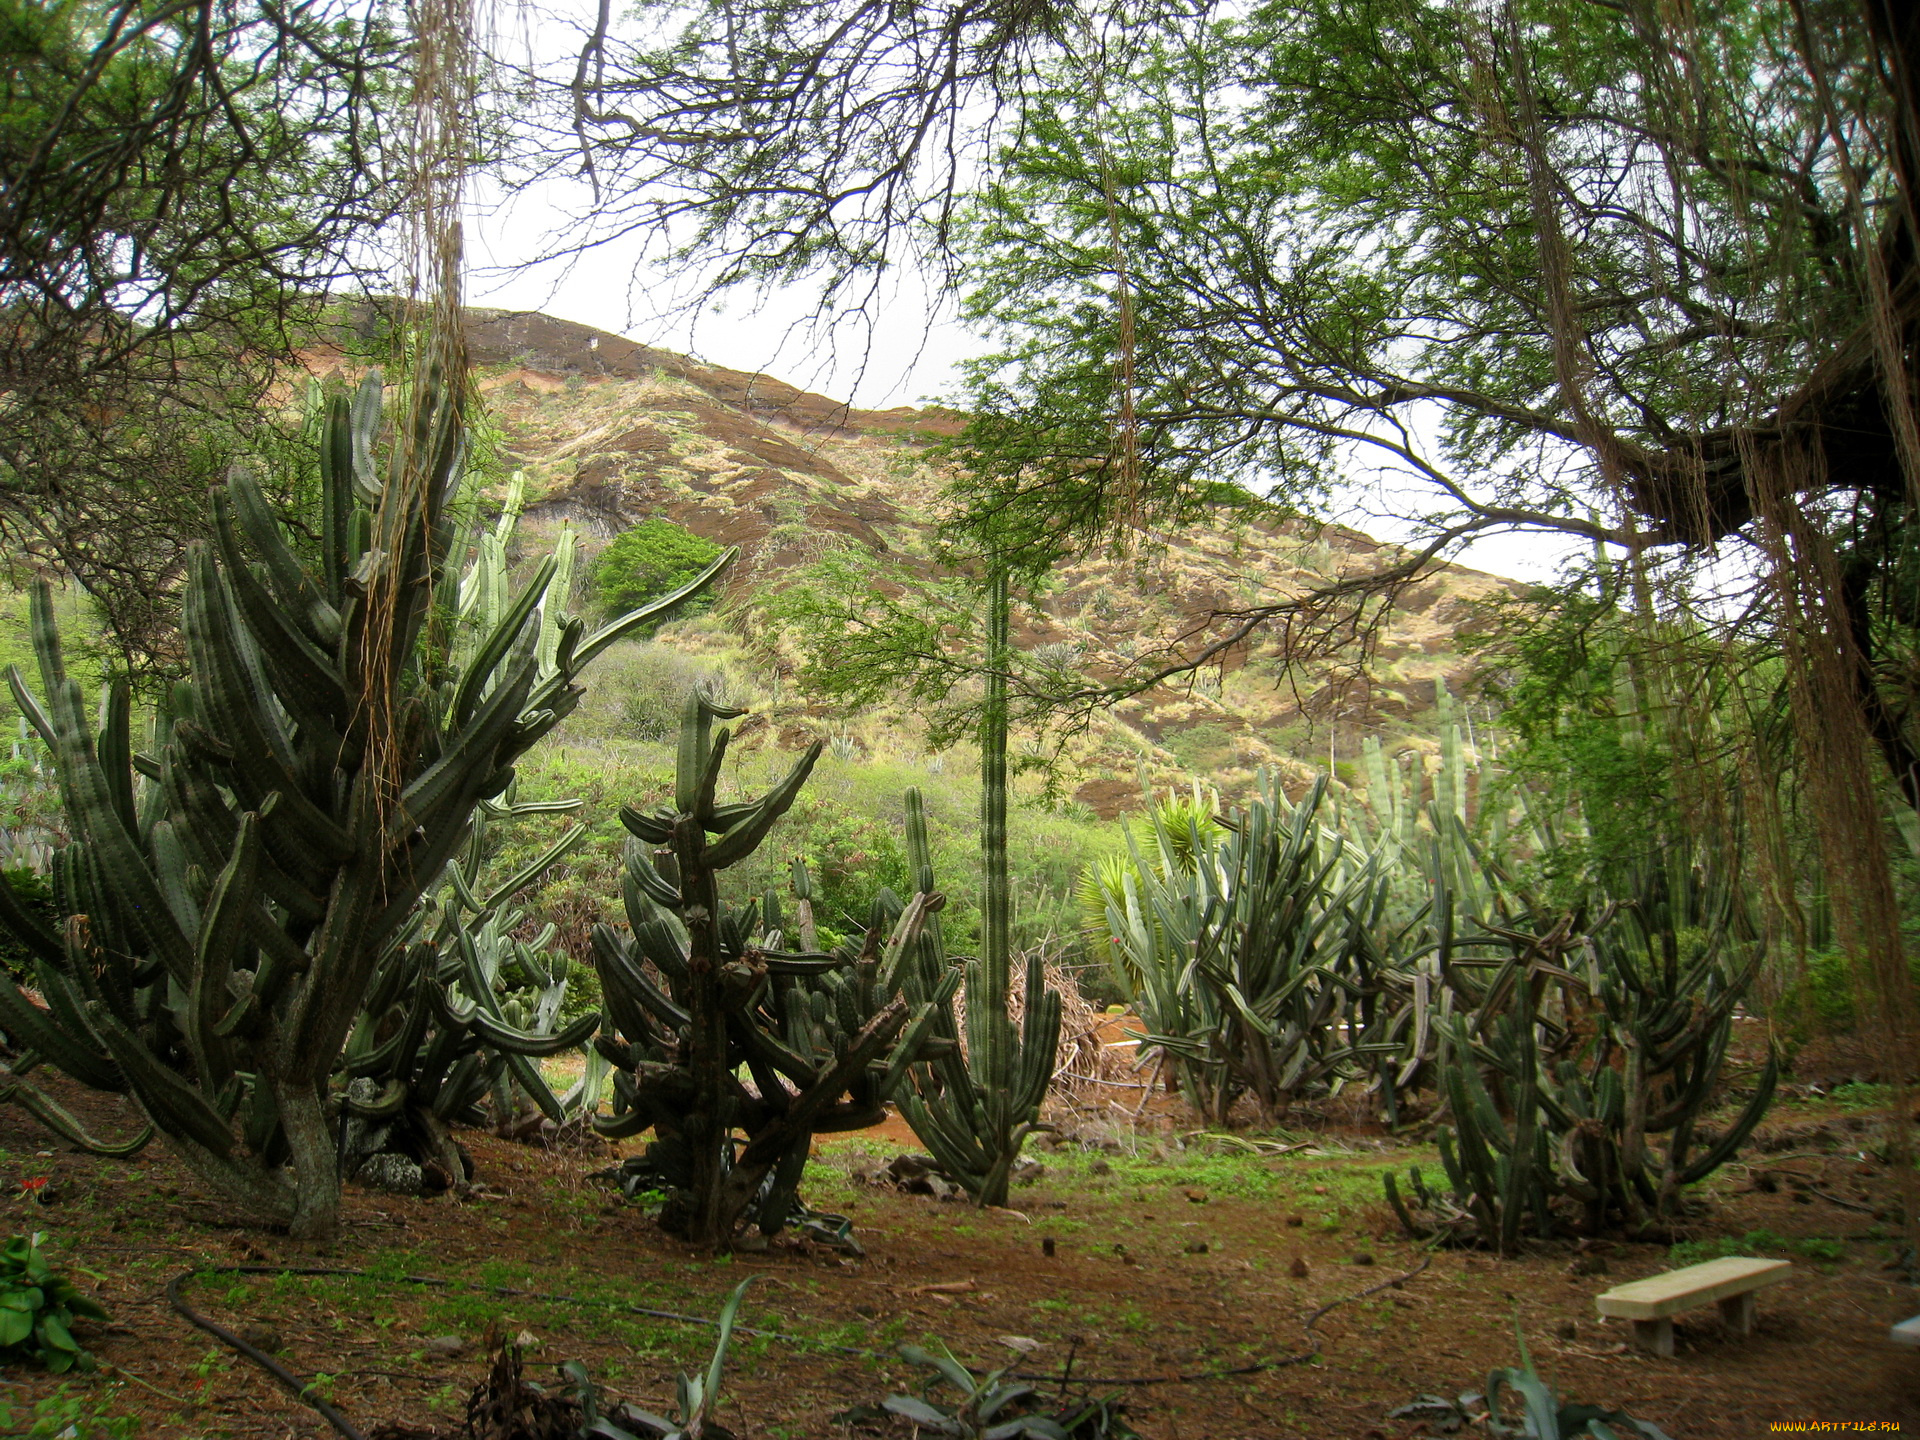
(1167, 1259)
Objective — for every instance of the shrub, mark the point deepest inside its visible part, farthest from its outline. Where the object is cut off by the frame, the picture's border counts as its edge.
(654, 558)
(35, 894)
(38, 1308)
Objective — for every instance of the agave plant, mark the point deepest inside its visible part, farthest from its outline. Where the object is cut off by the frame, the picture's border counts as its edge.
(696, 1397)
(231, 891)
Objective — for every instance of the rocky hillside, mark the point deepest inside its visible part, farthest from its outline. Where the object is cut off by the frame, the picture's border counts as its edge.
(611, 432)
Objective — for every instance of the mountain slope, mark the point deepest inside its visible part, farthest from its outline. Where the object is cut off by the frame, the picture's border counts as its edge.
(611, 432)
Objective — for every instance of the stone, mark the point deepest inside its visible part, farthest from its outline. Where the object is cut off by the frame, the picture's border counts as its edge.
(445, 1347)
(393, 1173)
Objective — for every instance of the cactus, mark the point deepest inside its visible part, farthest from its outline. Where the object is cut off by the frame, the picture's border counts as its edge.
(975, 1110)
(824, 1038)
(1260, 964)
(1592, 1061)
(230, 895)
(435, 1038)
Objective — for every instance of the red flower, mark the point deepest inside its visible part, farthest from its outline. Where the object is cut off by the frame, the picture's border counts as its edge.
(27, 1187)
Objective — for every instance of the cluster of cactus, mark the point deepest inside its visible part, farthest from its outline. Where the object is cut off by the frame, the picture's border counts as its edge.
(1578, 1071)
(824, 1038)
(1572, 1054)
(975, 1108)
(444, 1031)
(1260, 952)
(232, 892)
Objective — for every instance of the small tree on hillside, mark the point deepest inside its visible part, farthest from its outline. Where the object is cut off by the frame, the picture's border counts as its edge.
(654, 558)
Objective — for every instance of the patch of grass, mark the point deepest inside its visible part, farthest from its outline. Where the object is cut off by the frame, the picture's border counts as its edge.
(1757, 1242)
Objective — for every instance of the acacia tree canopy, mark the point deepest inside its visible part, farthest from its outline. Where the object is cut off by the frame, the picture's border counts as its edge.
(180, 188)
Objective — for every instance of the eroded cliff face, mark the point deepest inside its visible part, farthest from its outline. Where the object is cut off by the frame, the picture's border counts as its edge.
(610, 432)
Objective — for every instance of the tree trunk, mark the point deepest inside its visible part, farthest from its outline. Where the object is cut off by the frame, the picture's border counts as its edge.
(316, 1161)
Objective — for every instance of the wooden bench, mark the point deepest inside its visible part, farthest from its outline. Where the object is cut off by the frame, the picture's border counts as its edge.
(1652, 1303)
(1907, 1332)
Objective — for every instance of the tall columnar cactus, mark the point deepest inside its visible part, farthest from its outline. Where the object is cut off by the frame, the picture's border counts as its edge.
(824, 1038)
(230, 894)
(975, 1111)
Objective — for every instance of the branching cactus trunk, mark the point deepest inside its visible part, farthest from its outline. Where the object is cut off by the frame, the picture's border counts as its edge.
(823, 1038)
(974, 1112)
(231, 893)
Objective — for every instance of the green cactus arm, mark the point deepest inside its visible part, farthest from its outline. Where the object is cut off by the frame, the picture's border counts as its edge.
(800, 962)
(73, 1049)
(862, 1048)
(627, 991)
(169, 1100)
(505, 637)
(114, 746)
(525, 876)
(617, 629)
(138, 902)
(1736, 1135)
(50, 1113)
(296, 591)
(311, 677)
(453, 781)
(509, 1040)
(31, 709)
(650, 883)
(223, 931)
(744, 838)
(648, 829)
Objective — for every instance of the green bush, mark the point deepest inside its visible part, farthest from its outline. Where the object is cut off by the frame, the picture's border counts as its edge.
(38, 1308)
(654, 558)
(35, 895)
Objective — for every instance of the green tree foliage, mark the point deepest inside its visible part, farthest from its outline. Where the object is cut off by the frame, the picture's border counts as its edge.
(179, 188)
(654, 558)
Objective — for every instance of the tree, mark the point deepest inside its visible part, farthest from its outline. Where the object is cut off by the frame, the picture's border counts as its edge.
(180, 188)
(1604, 270)
(654, 558)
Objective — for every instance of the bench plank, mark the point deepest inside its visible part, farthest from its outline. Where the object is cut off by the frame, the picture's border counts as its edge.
(1661, 1296)
(1907, 1332)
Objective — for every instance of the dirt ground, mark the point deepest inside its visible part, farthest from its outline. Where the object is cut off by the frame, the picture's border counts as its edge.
(1136, 1255)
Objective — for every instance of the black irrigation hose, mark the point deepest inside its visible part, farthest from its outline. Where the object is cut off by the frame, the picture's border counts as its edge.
(303, 1393)
(288, 1380)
